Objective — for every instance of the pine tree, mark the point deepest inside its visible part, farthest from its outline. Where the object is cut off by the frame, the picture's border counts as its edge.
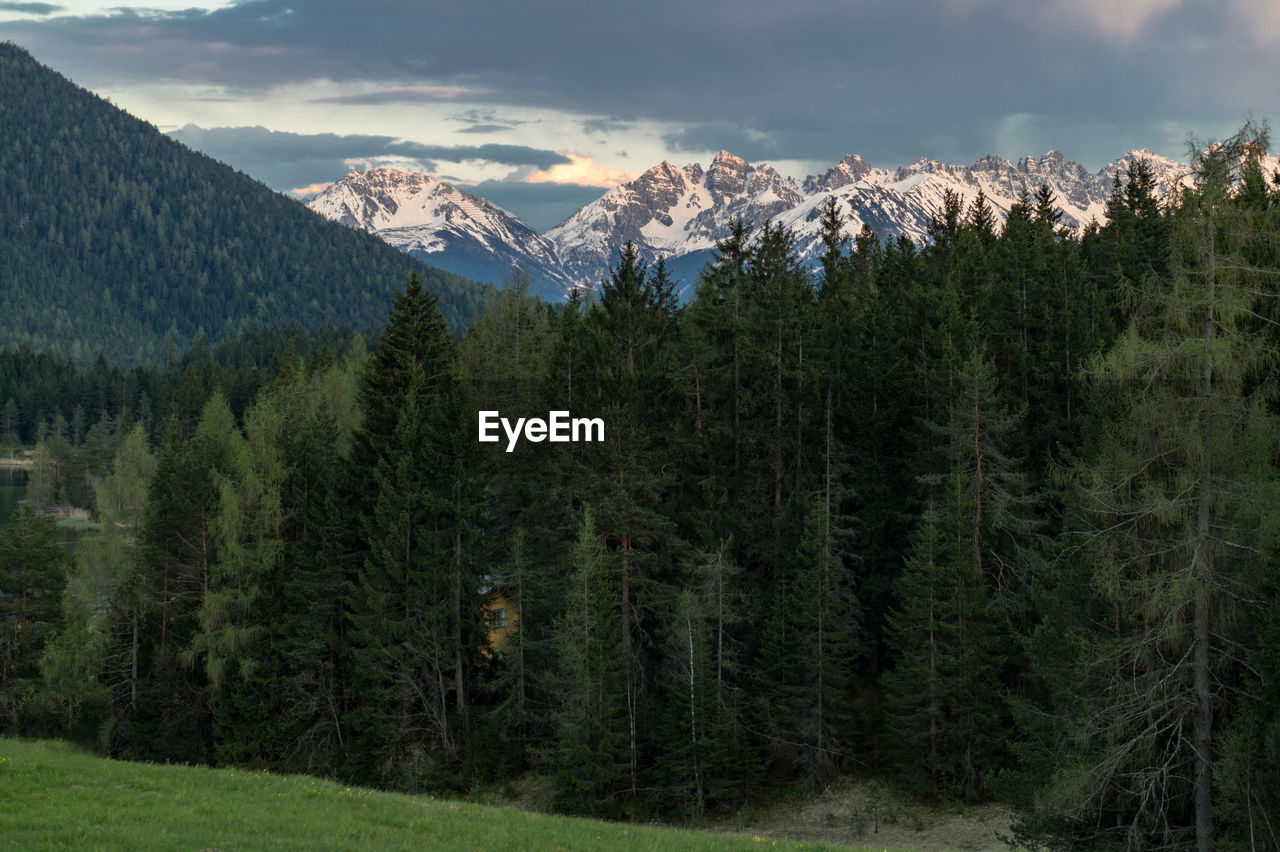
(32, 574)
(1172, 500)
(808, 652)
(942, 698)
(713, 372)
(626, 478)
(414, 622)
(179, 552)
(975, 439)
(590, 756)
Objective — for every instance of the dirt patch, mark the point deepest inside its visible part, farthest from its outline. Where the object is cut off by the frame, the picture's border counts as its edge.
(861, 814)
(528, 792)
(865, 814)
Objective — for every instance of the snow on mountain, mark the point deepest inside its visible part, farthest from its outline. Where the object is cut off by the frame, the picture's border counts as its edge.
(1170, 175)
(670, 212)
(1077, 193)
(443, 225)
(905, 200)
(680, 213)
(849, 170)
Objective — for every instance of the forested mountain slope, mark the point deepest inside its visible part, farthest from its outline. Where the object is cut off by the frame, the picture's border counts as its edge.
(113, 235)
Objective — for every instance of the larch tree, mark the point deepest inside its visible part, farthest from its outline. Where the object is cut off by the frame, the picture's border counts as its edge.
(94, 666)
(1173, 506)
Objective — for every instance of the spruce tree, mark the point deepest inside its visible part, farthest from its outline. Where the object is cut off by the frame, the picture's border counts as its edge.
(32, 575)
(591, 755)
(942, 696)
(413, 618)
(627, 478)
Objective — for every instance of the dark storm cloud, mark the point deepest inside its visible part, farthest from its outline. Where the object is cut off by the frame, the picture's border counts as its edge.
(736, 139)
(30, 8)
(891, 80)
(540, 205)
(605, 127)
(289, 160)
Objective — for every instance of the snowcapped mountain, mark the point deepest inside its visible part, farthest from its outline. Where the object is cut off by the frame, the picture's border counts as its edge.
(670, 212)
(444, 226)
(1170, 175)
(849, 170)
(904, 201)
(680, 213)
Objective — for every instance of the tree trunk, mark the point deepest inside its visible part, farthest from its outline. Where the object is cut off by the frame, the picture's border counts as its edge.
(1202, 577)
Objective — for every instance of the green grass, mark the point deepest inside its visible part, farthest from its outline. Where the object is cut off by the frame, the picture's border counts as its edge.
(77, 524)
(54, 795)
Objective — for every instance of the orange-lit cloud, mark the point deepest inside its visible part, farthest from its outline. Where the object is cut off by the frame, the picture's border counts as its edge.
(314, 189)
(581, 170)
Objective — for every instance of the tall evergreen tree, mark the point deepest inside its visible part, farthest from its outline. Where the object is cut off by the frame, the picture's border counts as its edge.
(591, 717)
(942, 696)
(1172, 501)
(627, 478)
(179, 551)
(32, 574)
(413, 622)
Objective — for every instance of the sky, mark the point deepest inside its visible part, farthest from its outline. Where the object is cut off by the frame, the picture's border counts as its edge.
(542, 105)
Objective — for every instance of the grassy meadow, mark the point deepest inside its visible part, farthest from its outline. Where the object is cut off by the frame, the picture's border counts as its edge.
(55, 795)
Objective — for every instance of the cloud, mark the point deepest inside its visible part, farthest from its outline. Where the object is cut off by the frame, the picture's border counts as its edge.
(412, 95)
(30, 8)
(539, 205)
(486, 128)
(606, 127)
(1121, 21)
(313, 189)
(750, 144)
(583, 171)
(806, 80)
(1259, 19)
(511, 155)
(287, 160)
(1014, 132)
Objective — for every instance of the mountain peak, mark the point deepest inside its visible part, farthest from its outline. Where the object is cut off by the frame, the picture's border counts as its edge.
(442, 224)
(379, 198)
(724, 158)
(851, 169)
(125, 304)
(989, 163)
(679, 213)
(727, 174)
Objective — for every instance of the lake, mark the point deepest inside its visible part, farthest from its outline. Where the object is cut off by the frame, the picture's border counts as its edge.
(13, 491)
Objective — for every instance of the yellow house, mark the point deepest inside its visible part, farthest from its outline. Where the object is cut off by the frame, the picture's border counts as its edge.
(501, 614)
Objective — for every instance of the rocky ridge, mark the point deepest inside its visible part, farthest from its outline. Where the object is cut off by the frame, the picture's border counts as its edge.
(679, 213)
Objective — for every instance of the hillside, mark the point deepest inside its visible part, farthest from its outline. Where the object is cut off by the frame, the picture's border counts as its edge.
(113, 236)
(439, 223)
(53, 795)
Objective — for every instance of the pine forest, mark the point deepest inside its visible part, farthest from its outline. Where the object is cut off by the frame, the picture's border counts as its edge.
(992, 516)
